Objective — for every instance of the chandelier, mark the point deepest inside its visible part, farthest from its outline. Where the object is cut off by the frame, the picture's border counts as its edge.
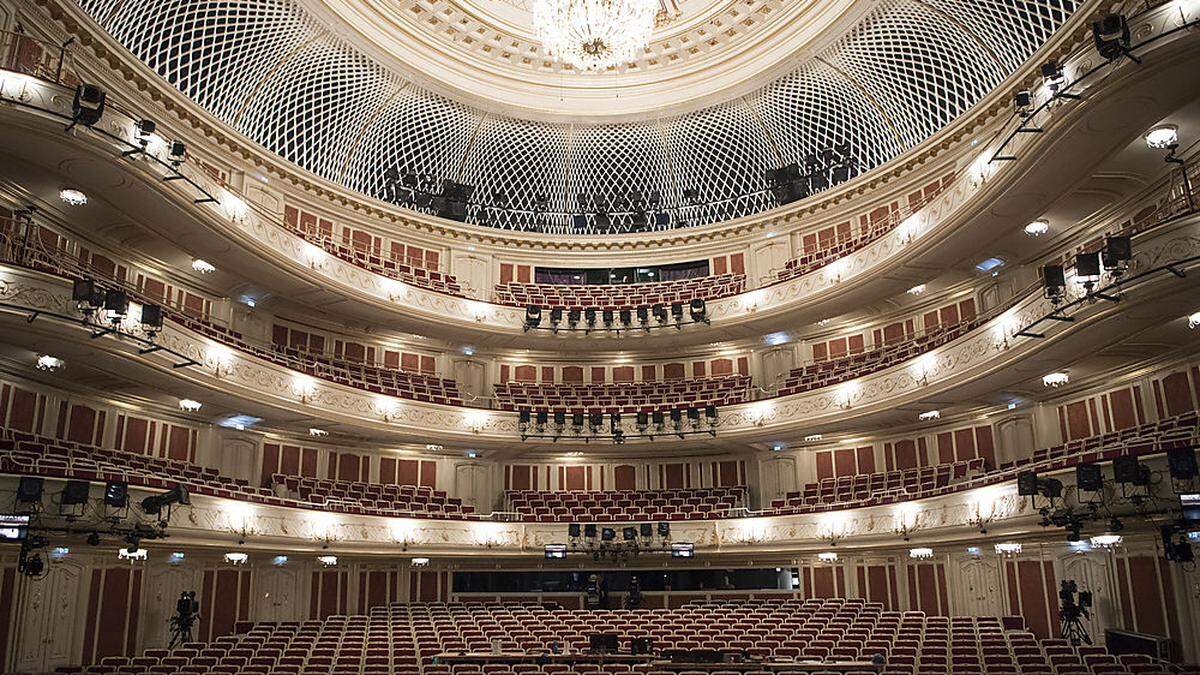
(594, 34)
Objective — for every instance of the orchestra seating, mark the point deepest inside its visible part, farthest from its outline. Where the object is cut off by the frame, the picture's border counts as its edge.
(620, 296)
(864, 486)
(27, 454)
(625, 505)
(408, 639)
(357, 497)
(624, 397)
(835, 371)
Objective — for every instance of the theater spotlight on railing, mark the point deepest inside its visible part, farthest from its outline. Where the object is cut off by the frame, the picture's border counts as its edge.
(590, 426)
(617, 321)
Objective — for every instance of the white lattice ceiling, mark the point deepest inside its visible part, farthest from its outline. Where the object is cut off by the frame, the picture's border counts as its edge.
(284, 79)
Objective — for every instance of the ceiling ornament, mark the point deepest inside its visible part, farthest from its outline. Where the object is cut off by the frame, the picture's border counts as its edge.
(594, 35)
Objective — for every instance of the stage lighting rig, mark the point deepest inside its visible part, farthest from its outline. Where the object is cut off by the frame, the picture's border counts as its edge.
(699, 311)
(88, 105)
(154, 504)
(1112, 38)
(1117, 255)
(533, 317)
(1054, 283)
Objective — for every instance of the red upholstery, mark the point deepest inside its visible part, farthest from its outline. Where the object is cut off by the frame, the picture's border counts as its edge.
(625, 505)
(620, 296)
(405, 639)
(358, 497)
(626, 397)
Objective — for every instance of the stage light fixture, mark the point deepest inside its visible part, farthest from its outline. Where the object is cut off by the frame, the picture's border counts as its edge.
(677, 312)
(643, 315)
(693, 415)
(541, 419)
(29, 489)
(658, 419)
(1054, 282)
(642, 421)
(560, 420)
(629, 533)
(677, 418)
(152, 319)
(75, 492)
(664, 529)
(88, 105)
(608, 534)
(646, 530)
(1181, 463)
(1087, 269)
(589, 531)
(1023, 102)
(116, 302)
(533, 317)
(1111, 36)
(573, 317)
(86, 295)
(595, 421)
(1128, 470)
(710, 412)
(1053, 76)
(116, 494)
(589, 317)
(1117, 254)
(143, 131)
(607, 317)
(698, 310)
(154, 504)
(577, 422)
(556, 317)
(1027, 484)
(573, 530)
(626, 317)
(177, 154)
(1089, 477)
(659, 312)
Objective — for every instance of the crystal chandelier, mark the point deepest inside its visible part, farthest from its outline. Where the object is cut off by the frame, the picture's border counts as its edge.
(594, 34)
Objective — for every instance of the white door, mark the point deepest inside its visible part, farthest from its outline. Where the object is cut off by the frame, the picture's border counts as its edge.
(52, 609)
(276, 589)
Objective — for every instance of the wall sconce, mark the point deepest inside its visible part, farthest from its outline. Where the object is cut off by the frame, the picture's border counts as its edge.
(920, 553)
(476, 310)
(312, 254)
(753, 300)
(845, 395)
(758, 413)
(907, 520)
(221, 360)
(396, 290)
(1008, 549)
(235, 206)
(476, 421)
(828, 557)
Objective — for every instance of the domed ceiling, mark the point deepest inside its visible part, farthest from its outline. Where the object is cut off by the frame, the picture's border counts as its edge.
(458, 90)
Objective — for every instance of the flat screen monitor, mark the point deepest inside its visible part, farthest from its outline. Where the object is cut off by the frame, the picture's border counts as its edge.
(13, 527)
(1190, 503)
(556, 551)
(682, 550)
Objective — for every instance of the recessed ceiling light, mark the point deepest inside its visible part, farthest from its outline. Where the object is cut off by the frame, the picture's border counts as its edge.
(1037, 228)
(72, 197)
(917, 290)
(1194, 320)
(930, 415)
(318, 433)
(203, 266)
(189, 405)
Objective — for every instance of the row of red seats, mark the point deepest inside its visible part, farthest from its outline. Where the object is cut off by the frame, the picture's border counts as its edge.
(356, 496)
(1148, 439)
(29, 454)
(899, 483)
(410, 639)
(619, 296)
(383, 265)
(847, 367)
(627, 397)
(626, 505)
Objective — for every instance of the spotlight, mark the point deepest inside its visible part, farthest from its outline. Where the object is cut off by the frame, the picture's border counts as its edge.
(658, 419)
(1053, 76)
(664, 529)
(1117, 254)
(116, 303)
(607, 316)
(560, 420)
(693, 415)
(1128, 470)
(93, 539)
(556, 317)
(152, 319)
(523, 419)
(533, 317)
(1027, 484)
(1087, 269)
(177, 154)
(1112, 38)
(577, 422)
(143, 130)
(540, 421)
(29, 489)
(1089, 477)
(710, 412)
(589, 531)
(75, 492)
(595, 421)
(643, 421)
(626, 317)
(86, 296)
(659, 312)
(643, 315)
(154, 504)
(116, 494)
(677, 418)
(88, 106)
(1055, 282)
(589, 317)
(677, 312)
(698, 310)
(1023, 103)
(573, 530)
(629, 533)
(608, 534)
(573, 317)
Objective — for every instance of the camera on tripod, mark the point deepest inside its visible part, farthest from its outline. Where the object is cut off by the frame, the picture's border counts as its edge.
(1075, 606)
(187, 610)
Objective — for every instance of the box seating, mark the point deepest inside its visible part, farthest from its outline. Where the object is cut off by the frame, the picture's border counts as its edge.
(359, 497)
(406, 639)
(625, 505)
(28, 454)
(624, 397)
(850, 366)
(1151, 438)
(619, 296)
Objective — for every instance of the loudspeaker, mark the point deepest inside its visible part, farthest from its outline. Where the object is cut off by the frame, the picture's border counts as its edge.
(647, 530)
(75, 492)
(29, 489)
(1181, 462)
